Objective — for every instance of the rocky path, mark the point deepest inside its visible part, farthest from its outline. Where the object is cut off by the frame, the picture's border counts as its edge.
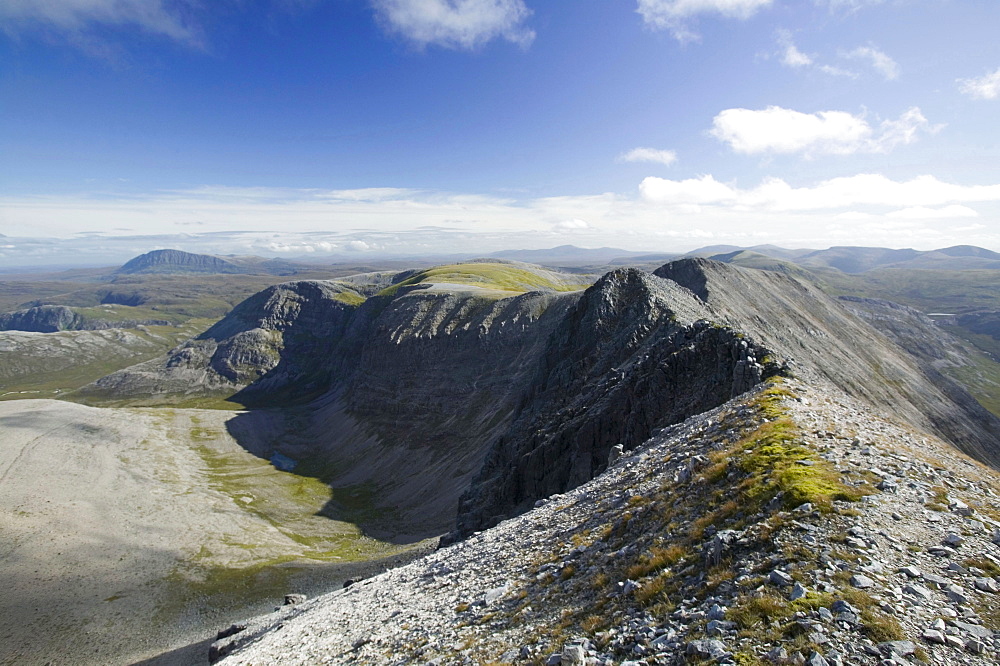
(696, 547)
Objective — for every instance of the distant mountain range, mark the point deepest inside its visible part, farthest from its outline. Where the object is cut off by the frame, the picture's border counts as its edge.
(846, 259)
(850, 259)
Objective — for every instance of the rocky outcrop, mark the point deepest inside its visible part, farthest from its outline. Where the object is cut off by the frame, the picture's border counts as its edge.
(819, 337)
(53, 318)
(635, 354)
(425, 393)
(41, 319)
(747, 318)
(275, 342)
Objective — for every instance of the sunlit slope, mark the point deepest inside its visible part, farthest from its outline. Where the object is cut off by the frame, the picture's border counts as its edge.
(494, 276)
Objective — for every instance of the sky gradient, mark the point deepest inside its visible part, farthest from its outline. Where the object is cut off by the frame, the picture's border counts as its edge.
(308, 127)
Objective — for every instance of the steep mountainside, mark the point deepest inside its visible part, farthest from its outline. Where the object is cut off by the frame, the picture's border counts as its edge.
(791, 525)
(750, 324)
(511, 399)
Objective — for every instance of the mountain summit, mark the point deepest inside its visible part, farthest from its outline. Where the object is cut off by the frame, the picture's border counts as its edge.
(178, 261)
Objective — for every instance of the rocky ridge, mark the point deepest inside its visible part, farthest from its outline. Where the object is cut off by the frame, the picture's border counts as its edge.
(859, 540)
(512, 399)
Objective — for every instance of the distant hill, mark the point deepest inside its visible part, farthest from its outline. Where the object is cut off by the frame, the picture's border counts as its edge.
(851, 259)
(178, 261)
(566, 255)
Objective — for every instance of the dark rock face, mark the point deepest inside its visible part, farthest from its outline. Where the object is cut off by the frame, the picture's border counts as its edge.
(429, 395)
(633, 355)
(278, 341)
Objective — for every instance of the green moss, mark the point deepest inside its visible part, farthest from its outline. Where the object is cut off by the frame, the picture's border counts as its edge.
(776, 460)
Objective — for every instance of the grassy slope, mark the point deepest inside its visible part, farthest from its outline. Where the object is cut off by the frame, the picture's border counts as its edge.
(925, 290)
(500, 277)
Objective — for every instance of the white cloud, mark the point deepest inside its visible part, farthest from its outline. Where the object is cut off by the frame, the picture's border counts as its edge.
(838, 71)
(779, 130)
(456, 24)
(667, 157)
(673, 15)
(985, 87)
(775, 194)
(790, 54)
(666, 215)
(927, 213)
(78, 16)
(703, 190)
(883, 64)
(576, 224)
(848, 5)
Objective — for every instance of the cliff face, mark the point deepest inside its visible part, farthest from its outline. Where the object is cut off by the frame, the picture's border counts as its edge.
(886, 359)
(422, 394)
(636, 353)
(278, 340)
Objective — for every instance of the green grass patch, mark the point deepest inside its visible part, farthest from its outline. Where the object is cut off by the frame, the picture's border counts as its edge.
(350, 298)
(776, 461)
(496, 277)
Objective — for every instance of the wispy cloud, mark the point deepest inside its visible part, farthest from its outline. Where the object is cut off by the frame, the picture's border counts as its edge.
(790, 54)
(984, 87)
(456, 24)
(675, 15)
(779, 130)
(78, 17)
(666, 157)
(849, 6)
(882, 63)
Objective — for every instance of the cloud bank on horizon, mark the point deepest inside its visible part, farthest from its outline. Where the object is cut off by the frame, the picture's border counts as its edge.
(432, 126)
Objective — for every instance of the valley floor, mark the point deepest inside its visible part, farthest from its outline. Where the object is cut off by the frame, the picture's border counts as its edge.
(127, 533)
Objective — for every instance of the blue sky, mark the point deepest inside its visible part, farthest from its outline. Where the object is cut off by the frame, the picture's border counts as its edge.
(310, 127)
